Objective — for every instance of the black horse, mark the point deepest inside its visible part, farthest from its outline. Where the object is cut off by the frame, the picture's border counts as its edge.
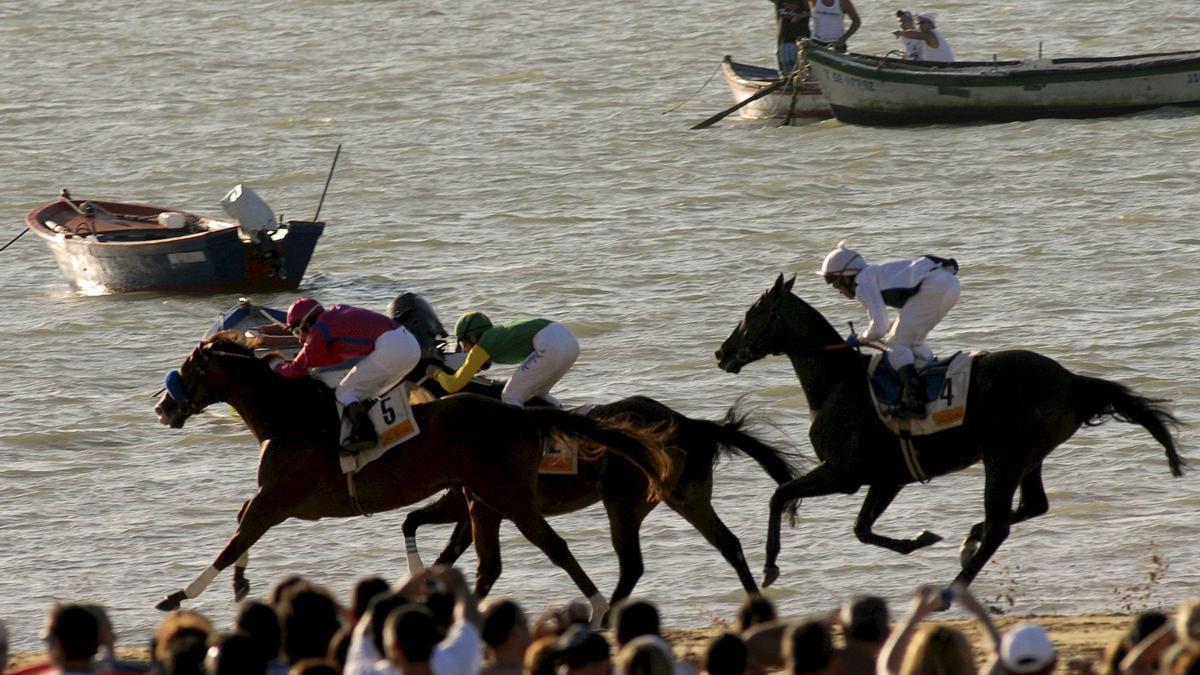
(1021, 406)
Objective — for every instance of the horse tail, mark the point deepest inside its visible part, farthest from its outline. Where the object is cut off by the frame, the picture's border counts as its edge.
(1098, 400)
(733, 433)
(639, 444)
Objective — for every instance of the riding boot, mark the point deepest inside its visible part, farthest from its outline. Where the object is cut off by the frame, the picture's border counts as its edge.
(362, 432)
(912, 402)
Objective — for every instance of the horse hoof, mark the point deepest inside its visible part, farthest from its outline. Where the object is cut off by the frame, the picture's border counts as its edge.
(927, 538)
(770, 574)
(241, 588)
(967, 550)
(171, 602)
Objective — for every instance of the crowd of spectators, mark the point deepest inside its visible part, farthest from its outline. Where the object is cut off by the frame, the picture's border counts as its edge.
(431, 624)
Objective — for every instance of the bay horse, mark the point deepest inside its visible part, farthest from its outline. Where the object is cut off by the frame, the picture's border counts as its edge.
(1020, 406)
(466, 440)
(694, 446)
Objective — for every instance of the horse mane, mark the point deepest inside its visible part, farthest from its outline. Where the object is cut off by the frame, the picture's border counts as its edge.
(234, 342)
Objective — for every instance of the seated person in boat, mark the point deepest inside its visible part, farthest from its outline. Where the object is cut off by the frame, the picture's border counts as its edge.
(933, 46)
(791, 22)
(923, 290)
(545, 349)
(910, 47)
(829, 21)
(332, 336)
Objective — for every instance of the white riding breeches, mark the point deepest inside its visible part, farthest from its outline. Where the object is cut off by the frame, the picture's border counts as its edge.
(554, 352)
(396, 353)
(918, 316)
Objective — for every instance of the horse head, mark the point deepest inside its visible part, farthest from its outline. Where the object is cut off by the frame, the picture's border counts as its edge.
(776, 323)
(204, 377)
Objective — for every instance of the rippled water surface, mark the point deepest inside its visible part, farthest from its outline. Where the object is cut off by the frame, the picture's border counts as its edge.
(515, 158)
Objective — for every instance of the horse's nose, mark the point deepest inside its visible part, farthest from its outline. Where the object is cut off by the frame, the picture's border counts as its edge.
(720, 354)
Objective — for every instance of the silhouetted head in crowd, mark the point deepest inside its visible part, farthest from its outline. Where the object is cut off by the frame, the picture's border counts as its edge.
(505, 632)
(308, 619)
(865, 618)
(364, 592)
(339, 647)
(185, 656)
(72, 636)
(378, 611)
(755, 610)
(541, 658)
(282, 587)
(808, 647)
(180, 624)
(259, 621)
(410, 635)
(726, 655)
(937, 648)
(235, 654)
(634, 618)
(645, 655)
(584, 651)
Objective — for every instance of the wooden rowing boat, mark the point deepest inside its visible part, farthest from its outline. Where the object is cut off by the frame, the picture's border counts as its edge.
(746, 80)
(864, 89)
(113, 247)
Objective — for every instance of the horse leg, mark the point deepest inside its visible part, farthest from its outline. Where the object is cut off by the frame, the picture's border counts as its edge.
(257, 518)
(485, 531)
(241, 585)
(823, 480)
(702, 516)
(878, 498)
(451, 507)
(997, 520)
(625, 518)
(1033, 503)
(535, 528)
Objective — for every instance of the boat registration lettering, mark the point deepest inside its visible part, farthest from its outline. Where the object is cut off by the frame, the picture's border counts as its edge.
(854, 82)
(186, 258)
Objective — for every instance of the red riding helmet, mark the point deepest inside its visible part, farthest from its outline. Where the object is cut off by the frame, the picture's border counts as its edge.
(301, 311)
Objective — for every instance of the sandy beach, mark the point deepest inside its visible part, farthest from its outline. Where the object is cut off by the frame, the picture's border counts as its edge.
(1079, 639)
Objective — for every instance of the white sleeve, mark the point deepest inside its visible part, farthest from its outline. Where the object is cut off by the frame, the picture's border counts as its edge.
(871, 297)
(461, 653)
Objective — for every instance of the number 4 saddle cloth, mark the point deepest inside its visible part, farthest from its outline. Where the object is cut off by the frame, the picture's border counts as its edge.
(946, 382)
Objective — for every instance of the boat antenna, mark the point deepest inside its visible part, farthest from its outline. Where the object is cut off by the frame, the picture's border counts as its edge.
(1039, 50)
(327, 179)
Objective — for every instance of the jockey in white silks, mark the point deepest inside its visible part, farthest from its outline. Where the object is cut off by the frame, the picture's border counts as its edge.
(922, 289)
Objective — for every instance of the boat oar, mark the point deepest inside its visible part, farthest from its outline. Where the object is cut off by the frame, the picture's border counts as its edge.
(10, 242)
(746, 101)
(327, 179)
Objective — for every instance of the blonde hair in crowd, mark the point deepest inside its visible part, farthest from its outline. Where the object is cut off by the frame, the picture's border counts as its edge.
(938, 650)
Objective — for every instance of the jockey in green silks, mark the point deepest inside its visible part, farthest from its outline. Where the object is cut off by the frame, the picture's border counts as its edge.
(545, 349)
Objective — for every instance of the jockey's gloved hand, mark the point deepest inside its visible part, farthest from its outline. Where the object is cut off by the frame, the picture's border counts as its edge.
(431, 371)
(852, 340)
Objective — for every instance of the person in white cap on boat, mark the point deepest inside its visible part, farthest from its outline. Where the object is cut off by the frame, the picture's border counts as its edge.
(934, 45)
(922, 289)
(910, 47)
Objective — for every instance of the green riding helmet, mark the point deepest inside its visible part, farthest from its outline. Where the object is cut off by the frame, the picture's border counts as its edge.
(471, 325)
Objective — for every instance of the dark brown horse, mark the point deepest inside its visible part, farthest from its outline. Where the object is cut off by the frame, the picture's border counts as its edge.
(1020, 407)
(467, 441)
(694, 446)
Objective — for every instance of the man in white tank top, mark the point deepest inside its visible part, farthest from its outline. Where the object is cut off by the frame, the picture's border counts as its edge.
(910, 47)
(933, 46)
(828, 21)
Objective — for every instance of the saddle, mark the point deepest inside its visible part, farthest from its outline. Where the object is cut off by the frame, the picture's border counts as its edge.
(390, 413)
(945, 383)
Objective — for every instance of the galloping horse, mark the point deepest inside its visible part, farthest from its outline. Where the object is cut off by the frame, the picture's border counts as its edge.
(694, 447)
(467, 441)
(1020, 406)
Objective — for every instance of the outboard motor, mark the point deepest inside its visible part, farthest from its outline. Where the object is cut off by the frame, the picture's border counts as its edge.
(249, 210)
(416, 314)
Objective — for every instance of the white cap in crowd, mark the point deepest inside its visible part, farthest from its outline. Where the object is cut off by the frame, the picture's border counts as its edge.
(1026, 649)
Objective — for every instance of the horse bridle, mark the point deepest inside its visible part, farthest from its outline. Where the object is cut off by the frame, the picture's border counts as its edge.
(181, 393)
(774, 315)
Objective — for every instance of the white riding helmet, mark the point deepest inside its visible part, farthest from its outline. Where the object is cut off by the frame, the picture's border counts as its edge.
(842, 261)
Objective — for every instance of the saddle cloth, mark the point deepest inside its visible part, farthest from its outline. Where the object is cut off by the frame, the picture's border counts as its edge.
(391, 414)
(946, 382)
